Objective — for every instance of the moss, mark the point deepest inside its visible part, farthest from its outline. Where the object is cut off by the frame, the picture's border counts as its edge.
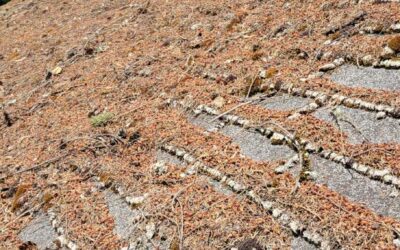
(17, 202)
(257, 55)
(303, 27)
(394, 43)
(334, 36)
(101, 119)
(46, 199)
(306, 168)
(379, 28)
(253, 85)
(174, 244)
(271, 72)
(106, 179)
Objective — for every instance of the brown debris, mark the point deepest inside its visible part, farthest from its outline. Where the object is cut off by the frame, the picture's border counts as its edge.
(127, 58)
(349, 21)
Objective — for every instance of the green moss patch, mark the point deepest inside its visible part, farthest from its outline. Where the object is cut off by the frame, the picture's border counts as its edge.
(101, 119)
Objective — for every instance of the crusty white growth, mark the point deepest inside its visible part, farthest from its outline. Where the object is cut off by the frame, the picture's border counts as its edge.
(279, 214)
(390, 64)
(383, 175)
(131, 200)
(288, 165)
(64, 241)
(323, 99)
(278, 138)
(378, 29)
(395, 27)
(309, 108)
(327, 67)
(396, 242)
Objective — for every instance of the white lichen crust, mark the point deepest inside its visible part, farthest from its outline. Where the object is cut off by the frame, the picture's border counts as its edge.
(62, 238)
(287, 165)
(323, 99)
(119, 190)
(383, 175)
(278, 138)
(279, 214)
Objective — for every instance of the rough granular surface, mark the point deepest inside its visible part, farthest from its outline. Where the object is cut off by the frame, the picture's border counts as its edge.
(382, 199)
(361, 126)
(285, 102)
(367, 77)
(40, 232)
(122, 214)
(300, 244)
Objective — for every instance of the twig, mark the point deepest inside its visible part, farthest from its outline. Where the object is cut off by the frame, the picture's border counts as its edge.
(175, 198)
(128, 112)
(300, 152)
(337, 120)
(20, 216)
(251, 86)
(177, 194)
(232, 109)
(43, 163)
(182, 225)
(302, 207)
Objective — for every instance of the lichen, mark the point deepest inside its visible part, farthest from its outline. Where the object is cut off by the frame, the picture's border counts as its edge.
(101, 119)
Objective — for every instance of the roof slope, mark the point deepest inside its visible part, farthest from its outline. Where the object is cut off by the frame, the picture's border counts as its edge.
(200, 124)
